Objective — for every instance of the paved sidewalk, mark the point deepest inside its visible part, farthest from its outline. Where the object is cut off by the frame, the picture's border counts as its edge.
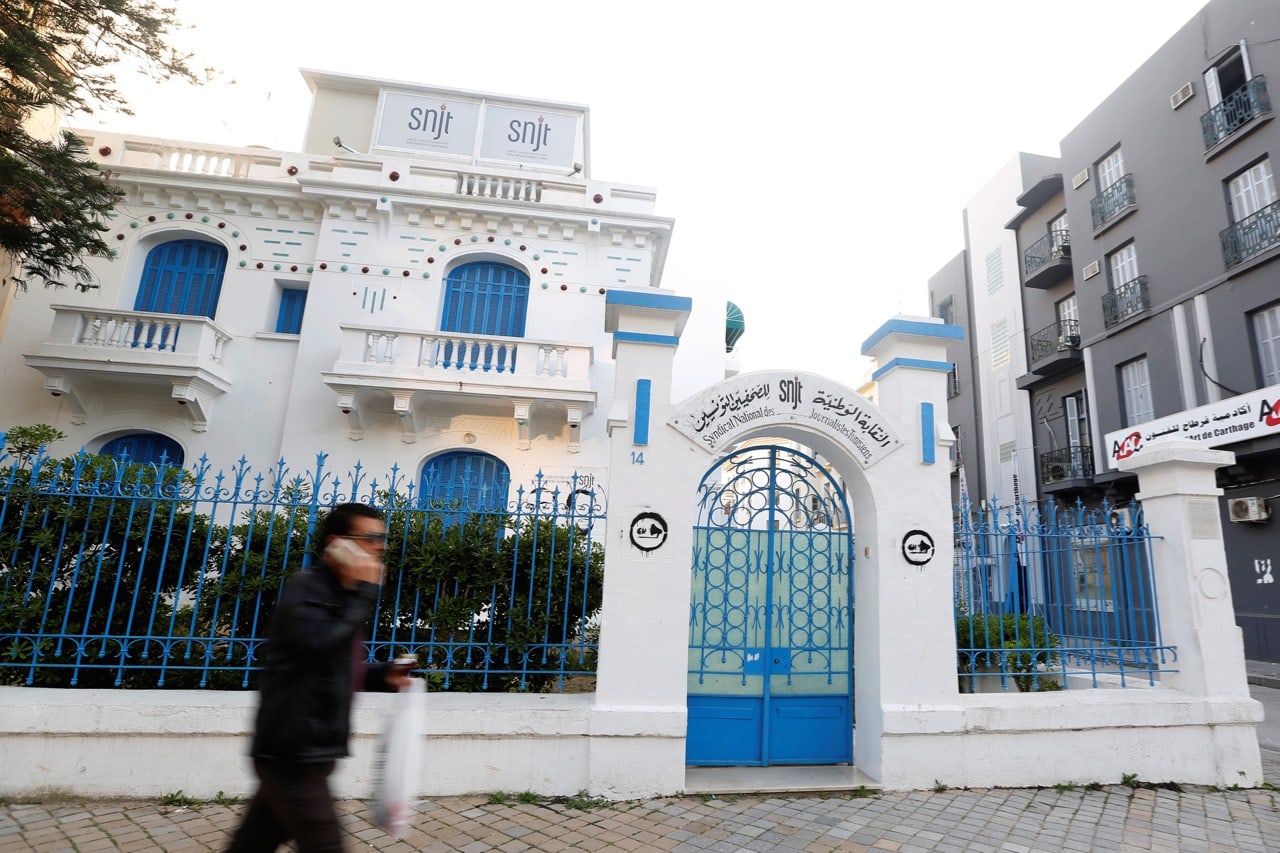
(1112, 818)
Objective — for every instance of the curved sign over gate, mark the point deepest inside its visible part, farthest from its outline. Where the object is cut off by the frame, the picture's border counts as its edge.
(721, 415)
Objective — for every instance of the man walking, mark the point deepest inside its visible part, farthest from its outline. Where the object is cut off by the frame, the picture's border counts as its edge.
(314, 662)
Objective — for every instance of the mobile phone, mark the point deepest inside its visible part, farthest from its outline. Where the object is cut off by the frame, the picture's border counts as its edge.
(342, 552)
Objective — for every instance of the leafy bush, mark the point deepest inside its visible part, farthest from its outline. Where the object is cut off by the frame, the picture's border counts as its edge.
(109, 576)
(1017, 643)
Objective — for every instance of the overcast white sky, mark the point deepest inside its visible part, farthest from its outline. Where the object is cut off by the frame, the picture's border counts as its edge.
(816, 156)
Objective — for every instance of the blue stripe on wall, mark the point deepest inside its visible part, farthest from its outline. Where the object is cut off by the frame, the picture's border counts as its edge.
(648, 300)
(640, 424)
(918, 328)
(918, 363)
(928, 441)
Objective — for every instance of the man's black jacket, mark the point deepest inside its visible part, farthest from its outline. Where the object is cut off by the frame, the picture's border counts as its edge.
(304, 714)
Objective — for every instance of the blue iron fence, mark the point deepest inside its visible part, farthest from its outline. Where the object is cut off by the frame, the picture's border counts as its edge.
(129, 575)
(1055, 597)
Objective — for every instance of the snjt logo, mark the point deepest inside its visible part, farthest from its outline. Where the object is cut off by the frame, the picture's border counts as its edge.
(431, 121)
(533, 134)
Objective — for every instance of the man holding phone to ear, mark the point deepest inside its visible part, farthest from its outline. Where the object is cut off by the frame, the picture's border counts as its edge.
(314, 662)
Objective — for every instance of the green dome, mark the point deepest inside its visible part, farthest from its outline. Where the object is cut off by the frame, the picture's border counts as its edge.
(734, 325)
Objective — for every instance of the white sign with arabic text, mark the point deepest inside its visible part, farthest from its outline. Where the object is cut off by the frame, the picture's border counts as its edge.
(1246, 416)
(721, 415)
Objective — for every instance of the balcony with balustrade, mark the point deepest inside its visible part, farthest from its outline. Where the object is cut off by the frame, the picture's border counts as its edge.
(1113, 203)
(1055, 348)
(410, 371)
(1128, 300)
(1066, 468)
(91, 353)
(1048, 260)
(1236, 116)
(188, 164)
(1251, 236)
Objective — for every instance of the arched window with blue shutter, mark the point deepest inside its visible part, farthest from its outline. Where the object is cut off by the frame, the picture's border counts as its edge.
(485, 298)
(182, 277)
(145, 447)
(465, 481)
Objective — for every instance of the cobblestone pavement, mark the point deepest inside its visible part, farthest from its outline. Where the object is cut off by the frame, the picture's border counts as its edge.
(1112, 818)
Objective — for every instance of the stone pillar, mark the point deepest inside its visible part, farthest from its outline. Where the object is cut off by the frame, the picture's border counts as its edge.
(1180, 505)
(905, 627)
(639, 719)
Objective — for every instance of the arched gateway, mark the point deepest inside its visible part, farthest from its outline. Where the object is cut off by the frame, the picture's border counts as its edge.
(746, 655)
(771, 605)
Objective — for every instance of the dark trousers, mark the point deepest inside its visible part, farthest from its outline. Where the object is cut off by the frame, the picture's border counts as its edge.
(292, 804)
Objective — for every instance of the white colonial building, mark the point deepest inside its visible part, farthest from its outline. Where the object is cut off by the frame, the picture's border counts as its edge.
(438, 284)
(424, 285)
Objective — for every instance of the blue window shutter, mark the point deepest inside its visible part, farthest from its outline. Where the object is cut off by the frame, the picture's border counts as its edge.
(145, 447)
(486, 299)
(293, 301)
(182, 277)
(466, 481)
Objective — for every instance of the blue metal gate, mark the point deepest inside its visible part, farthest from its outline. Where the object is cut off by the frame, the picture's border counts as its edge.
(771, 617)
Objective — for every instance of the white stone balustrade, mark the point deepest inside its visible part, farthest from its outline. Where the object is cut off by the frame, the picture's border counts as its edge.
(494, 186)
(408, 362)
(123, 336)
(126, 152)
(398, 350)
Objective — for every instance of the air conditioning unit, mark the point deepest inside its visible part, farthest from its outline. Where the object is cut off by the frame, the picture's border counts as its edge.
(1055, 471)
(1066, 342)
(1091, 270)
(1080, 179)
(1248, 509)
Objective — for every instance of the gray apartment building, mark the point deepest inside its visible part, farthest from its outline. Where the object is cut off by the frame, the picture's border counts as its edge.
(1149, 268)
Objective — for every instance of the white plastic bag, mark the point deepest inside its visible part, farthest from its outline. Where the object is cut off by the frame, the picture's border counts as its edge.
(397, 764)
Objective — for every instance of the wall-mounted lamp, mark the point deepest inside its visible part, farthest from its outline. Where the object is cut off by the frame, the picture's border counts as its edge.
(337, 140)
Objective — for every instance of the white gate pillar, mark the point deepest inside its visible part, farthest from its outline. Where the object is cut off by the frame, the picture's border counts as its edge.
(904, 635)
(639, 719)
(1180, 505)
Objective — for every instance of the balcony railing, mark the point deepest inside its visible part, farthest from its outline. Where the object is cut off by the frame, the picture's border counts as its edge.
(468, 353)
(121, 337)
(953, 384)
(1053, 246)
(1112, 201)
(1236, 110)
(1251, 235)
(1066, 463)
(89, 345)
(1061, 336)
(440, 362)
(491, 186)
(1125, 301)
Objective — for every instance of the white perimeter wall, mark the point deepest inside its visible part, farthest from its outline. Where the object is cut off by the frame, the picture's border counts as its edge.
(114, 743)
